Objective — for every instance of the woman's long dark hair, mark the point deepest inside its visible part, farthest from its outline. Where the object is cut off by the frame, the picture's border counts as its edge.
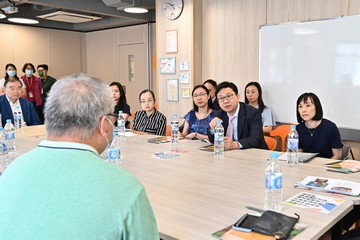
(260, 100)
(122, 100)
(6, 74)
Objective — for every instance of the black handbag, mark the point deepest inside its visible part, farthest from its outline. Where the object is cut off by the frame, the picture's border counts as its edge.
(275, 224)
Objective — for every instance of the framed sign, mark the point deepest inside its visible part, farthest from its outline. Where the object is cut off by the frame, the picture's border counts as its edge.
(171, 41)
(184, 66)
(172, 90)
(185, 92)
(167, 65)
(184, 78)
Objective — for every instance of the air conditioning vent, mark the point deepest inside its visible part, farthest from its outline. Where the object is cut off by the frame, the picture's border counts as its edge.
(68, 17)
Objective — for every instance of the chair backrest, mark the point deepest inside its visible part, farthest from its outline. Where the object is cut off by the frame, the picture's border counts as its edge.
(168, 130)
(270, 142)
(346, 152)
(281, 131)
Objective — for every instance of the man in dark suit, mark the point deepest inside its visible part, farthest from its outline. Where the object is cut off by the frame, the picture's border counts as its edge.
(11, 100)
(245, 128)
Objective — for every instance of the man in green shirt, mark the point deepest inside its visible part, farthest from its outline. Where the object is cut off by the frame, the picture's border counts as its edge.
(46, 84)
(62, 189)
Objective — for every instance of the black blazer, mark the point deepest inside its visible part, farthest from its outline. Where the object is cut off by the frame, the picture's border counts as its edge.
(250, 133)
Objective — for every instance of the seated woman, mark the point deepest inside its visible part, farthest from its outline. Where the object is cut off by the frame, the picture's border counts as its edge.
(197, 120)
(253, 97)
(119, 98)
(149, 119)
(316, 134)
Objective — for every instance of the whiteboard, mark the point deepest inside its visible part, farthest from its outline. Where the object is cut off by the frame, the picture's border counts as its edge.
(322, 57)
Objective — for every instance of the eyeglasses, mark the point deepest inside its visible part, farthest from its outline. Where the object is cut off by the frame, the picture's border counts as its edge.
(227, 97)
(148, 101)
(199, 95)
(112, 118)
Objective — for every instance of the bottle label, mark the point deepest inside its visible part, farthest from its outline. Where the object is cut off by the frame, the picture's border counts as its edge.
(10, 135)
(174, 127)
(121, 123)
(273, 181)
(219, 137)
(114, 154)
(293, 144)
(3, 147)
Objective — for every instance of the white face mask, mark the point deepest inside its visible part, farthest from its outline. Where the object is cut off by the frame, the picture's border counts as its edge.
(29, 72)
(11, 73)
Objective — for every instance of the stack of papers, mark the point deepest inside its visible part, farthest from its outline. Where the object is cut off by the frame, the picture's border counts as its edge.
(330, 185)
(346, 166)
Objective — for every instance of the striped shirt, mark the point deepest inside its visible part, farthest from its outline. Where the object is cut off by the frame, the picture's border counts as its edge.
(154, 124)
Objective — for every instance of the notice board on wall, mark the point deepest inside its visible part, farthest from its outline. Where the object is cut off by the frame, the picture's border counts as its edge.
(320, 56)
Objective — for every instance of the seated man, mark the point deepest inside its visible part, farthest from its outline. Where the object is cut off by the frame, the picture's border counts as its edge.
(245, 128)
(12, 100)
(63, 189)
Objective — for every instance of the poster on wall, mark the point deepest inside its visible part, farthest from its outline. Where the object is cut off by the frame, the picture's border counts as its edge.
(167, 65)
(172, 90)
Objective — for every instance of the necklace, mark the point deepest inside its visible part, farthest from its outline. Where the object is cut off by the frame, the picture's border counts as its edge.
(311, 132)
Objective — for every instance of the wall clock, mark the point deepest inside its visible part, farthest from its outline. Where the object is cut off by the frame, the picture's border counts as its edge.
(173, 8)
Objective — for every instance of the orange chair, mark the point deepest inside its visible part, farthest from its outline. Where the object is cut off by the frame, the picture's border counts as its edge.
(270, 142)
(168, 130)
(281, 131)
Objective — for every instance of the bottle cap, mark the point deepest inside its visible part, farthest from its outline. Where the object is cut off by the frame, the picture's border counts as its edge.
(114, 133)
(274, 155)
(219, 121)
(293, 127)
(174, 115)
(120, 112)
(8, 120)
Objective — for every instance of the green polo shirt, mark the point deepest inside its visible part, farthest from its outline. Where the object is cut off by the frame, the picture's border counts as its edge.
(64, 190)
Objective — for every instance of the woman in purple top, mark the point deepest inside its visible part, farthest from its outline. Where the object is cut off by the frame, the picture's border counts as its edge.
(197, 120)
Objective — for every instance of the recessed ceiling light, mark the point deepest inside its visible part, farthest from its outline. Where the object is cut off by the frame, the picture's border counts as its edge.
(23, 20)
(2, 16)
(135, 10)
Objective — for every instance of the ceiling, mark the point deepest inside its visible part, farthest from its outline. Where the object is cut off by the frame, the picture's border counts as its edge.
(100, 14)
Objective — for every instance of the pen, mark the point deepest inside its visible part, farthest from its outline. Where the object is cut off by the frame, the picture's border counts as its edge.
(261, 211)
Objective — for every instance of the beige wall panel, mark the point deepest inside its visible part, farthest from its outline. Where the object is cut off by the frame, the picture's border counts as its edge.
(230, 49)
(277, 11)
(354, 7)
(131, 35)
(184, 26)
(30, 45)
(319, 9)
(64, 53)
(6, 48)
(101, 51)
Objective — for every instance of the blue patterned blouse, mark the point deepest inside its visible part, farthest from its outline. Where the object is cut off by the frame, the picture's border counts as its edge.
(198, 125)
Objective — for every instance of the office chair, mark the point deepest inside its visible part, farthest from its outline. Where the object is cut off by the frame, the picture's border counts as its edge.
(270, 142)
(281, 131)
(346, 152)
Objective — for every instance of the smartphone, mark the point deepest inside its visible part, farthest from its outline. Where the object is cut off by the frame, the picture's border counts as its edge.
(245, 223)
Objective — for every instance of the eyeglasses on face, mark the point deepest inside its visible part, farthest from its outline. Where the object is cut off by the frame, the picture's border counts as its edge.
(112, 117)
(199, 95)
(228, 97)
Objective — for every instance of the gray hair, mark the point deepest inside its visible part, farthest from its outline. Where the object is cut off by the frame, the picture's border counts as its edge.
(75, 105)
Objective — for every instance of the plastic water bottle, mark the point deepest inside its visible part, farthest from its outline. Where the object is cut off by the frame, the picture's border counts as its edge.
(121, 125)
(0, 120)
(3, 151)
(17, 117)
(292, 148)
(9, 131)
(174, 133)
(114, 154)
(219, 139)
(273, 184)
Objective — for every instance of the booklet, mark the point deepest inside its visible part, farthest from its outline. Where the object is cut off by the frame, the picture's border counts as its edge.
(314, 202)
(346, 166)
(303, 156)
(158, 140)
(167, 155)
(208, 148)
(330, 185)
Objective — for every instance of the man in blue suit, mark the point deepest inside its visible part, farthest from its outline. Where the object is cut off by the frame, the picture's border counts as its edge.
(12, 100)
(242, 123)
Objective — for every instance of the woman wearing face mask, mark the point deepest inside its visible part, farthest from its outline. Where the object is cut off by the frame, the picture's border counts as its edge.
(33, 86)
(10, 74)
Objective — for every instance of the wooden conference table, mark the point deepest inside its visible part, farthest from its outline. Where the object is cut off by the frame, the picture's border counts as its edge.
(197, 194)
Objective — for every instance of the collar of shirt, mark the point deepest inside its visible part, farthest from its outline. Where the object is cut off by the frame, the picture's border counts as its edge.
(13, 105)
(67, 145)
(235, 122)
